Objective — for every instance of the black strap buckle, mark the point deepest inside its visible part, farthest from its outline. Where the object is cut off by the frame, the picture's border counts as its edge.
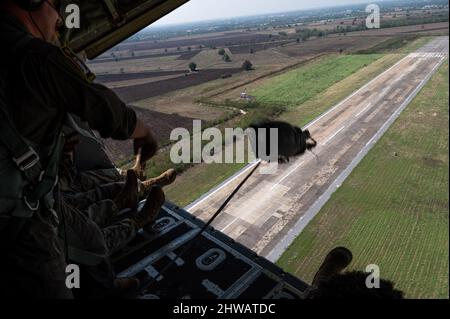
(27, 160)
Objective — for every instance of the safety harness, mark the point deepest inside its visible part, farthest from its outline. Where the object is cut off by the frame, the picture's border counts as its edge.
(26, 182)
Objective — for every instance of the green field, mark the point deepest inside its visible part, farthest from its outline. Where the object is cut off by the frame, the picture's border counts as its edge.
(296, 87)
(200, 178)
(312, 108)
(393, 209)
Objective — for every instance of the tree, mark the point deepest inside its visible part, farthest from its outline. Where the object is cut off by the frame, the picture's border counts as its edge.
(193, 66)
(247, 65)
(221, 52)
(226, 58)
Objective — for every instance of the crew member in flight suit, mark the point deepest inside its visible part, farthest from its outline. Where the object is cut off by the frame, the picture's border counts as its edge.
(40, 84)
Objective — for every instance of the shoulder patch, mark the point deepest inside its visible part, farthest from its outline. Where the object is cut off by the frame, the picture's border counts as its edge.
(83, 69)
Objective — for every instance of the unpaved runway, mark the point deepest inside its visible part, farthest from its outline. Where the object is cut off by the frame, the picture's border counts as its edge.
(271, 210)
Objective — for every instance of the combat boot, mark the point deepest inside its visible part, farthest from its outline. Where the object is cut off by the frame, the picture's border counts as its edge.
(123, 287)
(164, 179)
(150, 211)
(335, 261)
(128, 197)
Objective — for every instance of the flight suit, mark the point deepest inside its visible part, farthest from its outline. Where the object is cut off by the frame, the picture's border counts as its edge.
(98, 205)
(93, 193)
(41, 86)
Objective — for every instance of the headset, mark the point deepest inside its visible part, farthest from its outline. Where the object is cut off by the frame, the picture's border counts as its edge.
(29, 5)
(34, 5)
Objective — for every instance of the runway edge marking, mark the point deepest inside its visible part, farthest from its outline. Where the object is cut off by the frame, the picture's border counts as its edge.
(229, 180)
(293, 233)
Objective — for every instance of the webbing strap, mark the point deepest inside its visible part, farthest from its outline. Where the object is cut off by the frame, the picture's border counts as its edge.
(84, 257)
(25, 157)
(49, 178)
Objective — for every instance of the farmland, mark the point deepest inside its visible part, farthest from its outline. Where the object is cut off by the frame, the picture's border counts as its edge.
(296, 80)
(162, 123)
(393, 209)
(297, 86)
(147, 90)
(312, 108)
(211, 175)
(152, 76)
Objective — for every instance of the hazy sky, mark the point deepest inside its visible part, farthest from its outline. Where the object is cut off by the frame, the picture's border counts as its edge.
(197, 10)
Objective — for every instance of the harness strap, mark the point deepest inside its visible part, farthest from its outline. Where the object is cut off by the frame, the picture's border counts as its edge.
(49, 178)
(25, 157)
(84, 257)
(42, 182)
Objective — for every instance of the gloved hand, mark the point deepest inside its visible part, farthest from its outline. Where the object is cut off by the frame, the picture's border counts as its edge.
(70, 142)
(144, 142)
(146, 147)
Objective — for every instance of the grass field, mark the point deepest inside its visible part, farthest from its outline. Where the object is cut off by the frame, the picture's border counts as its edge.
(393, 210)
(311, 109)
(295, 87)
(304, 91)
(200, 178)
(320, 103)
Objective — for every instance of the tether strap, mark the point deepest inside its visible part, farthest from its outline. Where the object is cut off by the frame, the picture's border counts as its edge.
(190, 244)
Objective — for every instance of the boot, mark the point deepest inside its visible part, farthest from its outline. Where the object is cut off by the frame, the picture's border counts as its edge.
(164, 179)
(138, 168)
(150, 211)
(336, 261)
(128, 197)
(124, 287)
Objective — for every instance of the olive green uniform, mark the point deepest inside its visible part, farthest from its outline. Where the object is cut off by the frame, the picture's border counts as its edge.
(41, 86)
